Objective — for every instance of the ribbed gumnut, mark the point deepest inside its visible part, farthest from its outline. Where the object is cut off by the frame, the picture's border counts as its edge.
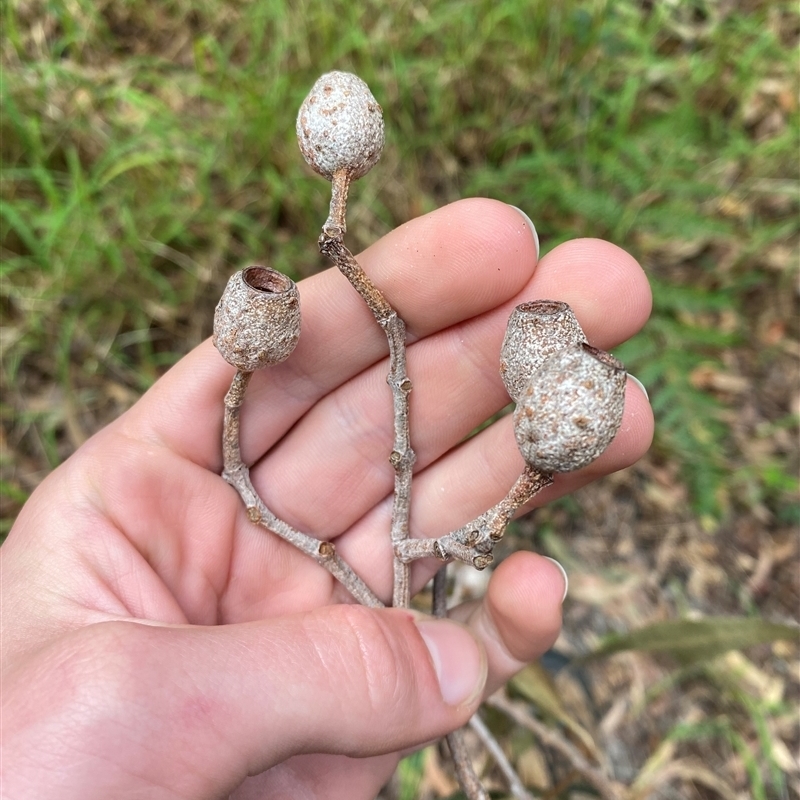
(340, 126)
(571, 410)
(257, 320)
(535, 331)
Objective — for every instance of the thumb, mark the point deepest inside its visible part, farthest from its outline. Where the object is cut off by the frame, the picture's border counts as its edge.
(193, 710)
(343, 679)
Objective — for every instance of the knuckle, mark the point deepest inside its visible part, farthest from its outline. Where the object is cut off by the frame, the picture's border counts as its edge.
(81, 681)
(377, 661)
(102, 667)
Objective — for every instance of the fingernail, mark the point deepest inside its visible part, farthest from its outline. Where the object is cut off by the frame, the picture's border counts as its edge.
(459, 661)
(531, 226)
(563, 575)
(639, 384)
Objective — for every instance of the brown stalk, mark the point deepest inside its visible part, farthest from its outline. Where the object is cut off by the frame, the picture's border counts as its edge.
(474, 542)
(402, 457)
(608, 789)
(515, 785)
(456, 741)
(237, 474)
(470, 783)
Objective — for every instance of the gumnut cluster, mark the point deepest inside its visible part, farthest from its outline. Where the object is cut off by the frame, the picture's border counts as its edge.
(570, 396)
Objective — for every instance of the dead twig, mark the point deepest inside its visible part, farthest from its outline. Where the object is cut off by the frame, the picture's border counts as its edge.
(608, 789)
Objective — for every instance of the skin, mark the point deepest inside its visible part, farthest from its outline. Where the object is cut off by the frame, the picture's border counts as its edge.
(157, 644)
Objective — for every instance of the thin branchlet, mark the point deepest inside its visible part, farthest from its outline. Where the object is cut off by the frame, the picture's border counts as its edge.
(607, 788)
(470, 783)
(515, 785)
(237, 474)
(402, 456)
(474, 542)
(456, 741)
(340, 132)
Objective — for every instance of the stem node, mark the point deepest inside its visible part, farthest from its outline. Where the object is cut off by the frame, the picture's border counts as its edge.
(327, 549)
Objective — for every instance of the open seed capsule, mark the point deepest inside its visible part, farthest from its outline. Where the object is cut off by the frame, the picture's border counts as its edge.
(340, 126)
(535, 331)
(257, 320)
(571, 410)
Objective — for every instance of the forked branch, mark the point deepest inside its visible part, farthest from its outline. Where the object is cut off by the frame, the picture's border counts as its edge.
(237, 474)
(474, 542)
(402, 456)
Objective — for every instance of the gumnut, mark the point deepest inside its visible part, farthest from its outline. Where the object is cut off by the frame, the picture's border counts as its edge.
(535, 331)
(340, 126)
(571, 409)
(257, 320)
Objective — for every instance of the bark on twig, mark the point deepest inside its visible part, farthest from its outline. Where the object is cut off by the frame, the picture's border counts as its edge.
(439, 605)
(336, 224)
(464, 771)
(515, 785)
(456, 742)
(402, 457)
(237, 474)
(474, 542)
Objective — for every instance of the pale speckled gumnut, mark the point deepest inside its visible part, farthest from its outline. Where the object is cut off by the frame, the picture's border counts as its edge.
(571, 410)
(257, 320)
(340, 126)
(535, 331)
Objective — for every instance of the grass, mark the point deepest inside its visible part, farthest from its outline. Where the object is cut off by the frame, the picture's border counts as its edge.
(148, 150)
(141, 167)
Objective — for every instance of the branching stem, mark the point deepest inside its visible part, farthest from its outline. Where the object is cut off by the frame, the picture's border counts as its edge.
(342, 153)
(237, 474)
(402, 457)
(474, 542)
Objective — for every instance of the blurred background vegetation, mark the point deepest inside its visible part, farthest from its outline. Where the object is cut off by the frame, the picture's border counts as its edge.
(148, 150)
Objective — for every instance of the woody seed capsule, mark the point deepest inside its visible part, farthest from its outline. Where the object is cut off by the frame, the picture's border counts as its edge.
(571, 410)
(535, 331)
(340, 126)
(257, 320)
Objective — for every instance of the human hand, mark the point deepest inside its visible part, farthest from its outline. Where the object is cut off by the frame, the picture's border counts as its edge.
(156, 643)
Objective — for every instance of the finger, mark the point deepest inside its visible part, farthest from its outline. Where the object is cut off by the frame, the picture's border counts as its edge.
(454, 370)
(454, 483)
(229, 701)
(474, 477)
(605, 286)
(519, 617)
(517, 620)
(444, 267)
(341, 447)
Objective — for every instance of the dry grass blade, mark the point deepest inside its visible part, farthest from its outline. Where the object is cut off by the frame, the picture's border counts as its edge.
(607, 788)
